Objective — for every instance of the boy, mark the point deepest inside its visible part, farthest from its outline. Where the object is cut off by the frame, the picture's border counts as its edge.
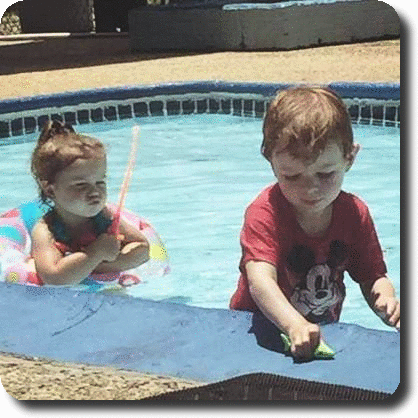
(301, 233)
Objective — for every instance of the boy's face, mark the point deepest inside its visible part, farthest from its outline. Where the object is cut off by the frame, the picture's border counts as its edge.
(312, 186)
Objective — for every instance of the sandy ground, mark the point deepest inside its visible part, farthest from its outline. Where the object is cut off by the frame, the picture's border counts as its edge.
(57, 65)
(29, 379)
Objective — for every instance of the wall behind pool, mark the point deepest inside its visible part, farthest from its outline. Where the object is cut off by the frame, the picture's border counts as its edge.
(216, 25)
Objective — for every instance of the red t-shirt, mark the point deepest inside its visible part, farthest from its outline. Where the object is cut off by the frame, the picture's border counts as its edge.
(309, 269)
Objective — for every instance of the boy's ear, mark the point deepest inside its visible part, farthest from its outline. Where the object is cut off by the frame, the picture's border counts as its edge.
(352, 155)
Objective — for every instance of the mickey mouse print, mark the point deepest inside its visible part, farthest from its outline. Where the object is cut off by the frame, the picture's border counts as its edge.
(320, 291)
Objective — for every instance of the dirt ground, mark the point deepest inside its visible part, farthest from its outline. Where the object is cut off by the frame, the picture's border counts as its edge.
(30, 67)
(68, 64)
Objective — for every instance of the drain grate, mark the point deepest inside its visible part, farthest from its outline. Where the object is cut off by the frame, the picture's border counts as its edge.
(264, 387)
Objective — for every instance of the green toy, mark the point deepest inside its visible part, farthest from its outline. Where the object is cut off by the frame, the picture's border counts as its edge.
(323, 351)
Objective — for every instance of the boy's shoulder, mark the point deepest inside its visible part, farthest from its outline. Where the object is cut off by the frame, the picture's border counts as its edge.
(267, 197)
(351, 204)
(351, 198)
(269, 204)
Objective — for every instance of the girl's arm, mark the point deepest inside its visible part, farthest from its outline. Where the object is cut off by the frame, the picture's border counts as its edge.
(264, 289)
(380, 295)
(134, 251)
(56, 269)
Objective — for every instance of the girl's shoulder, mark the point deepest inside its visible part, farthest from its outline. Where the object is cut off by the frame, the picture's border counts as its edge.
(41, 230)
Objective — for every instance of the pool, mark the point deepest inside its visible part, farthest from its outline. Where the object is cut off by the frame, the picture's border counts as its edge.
(197, 170)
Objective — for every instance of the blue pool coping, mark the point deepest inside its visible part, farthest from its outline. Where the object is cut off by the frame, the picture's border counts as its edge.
(204, 345)
(383, 91)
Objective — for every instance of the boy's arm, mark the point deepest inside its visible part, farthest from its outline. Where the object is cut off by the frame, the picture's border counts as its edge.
(380, 295)
(262, 280)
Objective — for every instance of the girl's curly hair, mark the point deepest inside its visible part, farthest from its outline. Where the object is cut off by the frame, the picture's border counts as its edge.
(57, 148)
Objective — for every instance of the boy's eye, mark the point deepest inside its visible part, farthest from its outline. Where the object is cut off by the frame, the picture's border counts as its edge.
(326, 175)
(292, 178)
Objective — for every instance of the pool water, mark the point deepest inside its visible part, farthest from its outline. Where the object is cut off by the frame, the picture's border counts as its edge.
(194, 177)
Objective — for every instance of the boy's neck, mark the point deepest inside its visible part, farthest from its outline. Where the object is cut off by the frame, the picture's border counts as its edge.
(315, 224)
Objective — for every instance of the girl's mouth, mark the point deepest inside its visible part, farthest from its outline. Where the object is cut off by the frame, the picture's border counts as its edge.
(94, 202)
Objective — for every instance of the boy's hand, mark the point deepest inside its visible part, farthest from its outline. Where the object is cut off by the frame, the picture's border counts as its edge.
(304, 340)
(389, 310)
(107, 247)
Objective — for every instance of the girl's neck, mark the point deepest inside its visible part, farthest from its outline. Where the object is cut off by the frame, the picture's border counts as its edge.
(70, 220)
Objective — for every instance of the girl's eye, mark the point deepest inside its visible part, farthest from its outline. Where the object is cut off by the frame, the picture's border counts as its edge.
(326, 175)
(101, 183)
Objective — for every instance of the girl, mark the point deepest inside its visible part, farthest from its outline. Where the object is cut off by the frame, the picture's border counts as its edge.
(71, 241)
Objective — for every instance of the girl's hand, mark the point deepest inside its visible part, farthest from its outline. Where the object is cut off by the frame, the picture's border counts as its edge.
(304, 340)
(388, 308)
(106, 247)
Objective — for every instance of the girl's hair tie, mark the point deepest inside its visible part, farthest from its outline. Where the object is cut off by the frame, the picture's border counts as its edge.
(53, 128)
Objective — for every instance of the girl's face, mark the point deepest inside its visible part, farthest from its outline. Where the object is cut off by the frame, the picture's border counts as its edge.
(312, 186)
(80, 189)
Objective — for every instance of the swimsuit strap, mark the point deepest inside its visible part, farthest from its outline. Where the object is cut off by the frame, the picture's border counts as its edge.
(100, 222)
(57, 228)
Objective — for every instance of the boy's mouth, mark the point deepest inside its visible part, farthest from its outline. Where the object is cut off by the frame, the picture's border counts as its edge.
(311, 202)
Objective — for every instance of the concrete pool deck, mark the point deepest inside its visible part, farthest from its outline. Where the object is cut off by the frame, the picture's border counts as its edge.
(110, 63)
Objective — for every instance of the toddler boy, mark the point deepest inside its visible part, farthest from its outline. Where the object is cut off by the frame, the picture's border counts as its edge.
(301, 233)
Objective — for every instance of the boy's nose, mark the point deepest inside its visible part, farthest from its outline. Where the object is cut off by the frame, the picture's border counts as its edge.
(311, 185)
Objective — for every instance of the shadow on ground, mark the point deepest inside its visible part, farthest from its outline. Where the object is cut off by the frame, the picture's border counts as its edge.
(70, 52)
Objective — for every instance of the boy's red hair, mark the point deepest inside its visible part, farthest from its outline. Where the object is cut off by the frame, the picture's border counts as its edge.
(303, 120)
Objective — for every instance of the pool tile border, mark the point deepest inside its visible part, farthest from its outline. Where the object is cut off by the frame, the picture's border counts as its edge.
(369, 103)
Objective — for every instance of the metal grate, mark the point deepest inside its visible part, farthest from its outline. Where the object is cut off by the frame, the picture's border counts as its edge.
(269, 387)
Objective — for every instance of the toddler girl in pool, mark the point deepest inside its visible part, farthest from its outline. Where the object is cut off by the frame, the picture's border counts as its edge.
(301, 233)
(71, 241)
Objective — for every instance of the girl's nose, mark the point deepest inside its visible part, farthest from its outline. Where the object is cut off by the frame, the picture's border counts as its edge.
(93, 191)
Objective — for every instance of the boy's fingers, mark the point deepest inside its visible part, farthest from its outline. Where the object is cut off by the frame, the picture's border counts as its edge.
(392, 307)
(395, 316)
(304, 350)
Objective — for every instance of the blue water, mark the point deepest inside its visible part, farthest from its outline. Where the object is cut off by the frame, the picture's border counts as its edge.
(194, 177)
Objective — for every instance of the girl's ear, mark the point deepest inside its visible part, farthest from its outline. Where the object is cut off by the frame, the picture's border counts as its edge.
(352, 155)
(47, 188)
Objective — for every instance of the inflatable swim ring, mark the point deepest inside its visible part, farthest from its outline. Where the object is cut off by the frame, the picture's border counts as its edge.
(17, 266)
